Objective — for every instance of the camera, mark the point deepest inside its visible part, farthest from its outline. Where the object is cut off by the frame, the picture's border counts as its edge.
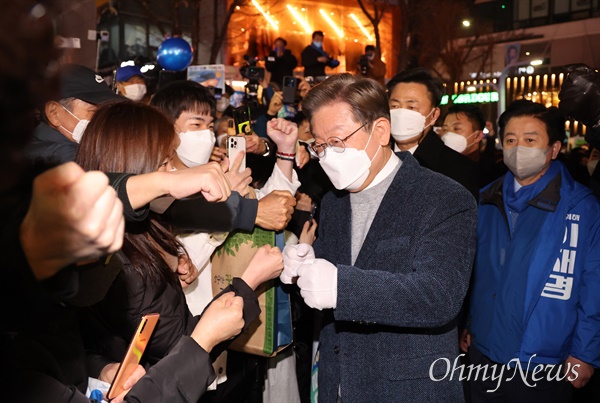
(363, 63)
(250, 71)
(253, 73)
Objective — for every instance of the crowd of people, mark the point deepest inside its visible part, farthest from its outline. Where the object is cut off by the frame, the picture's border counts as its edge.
(422, 265)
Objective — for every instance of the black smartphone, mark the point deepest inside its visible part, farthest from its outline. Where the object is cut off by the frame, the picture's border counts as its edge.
(217, 92)
(241, 116)
(290, 85)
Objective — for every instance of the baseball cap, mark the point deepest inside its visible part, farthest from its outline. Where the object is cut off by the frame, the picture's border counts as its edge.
(83, 83)
(126, 72)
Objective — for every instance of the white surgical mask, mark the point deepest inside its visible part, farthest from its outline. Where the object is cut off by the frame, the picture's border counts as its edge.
(195, 147)
(318, 44)
(135, 92)
(222, 104)
(348, 170)
(457, 142)
(406, 123)
(525, 162)
(591, 166)
(80, 127)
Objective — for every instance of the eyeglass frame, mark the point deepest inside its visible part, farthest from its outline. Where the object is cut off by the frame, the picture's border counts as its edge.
(325, 145)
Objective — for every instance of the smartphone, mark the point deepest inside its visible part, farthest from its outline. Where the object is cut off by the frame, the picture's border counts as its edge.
(241, 116)
(134, 354)
(290, 85)
(236, 145)
(217, 92)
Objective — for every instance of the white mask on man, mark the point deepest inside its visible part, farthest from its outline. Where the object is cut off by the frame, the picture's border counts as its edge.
(348, 170)
(195, 147)
(79, 129)
(457, 142)
(406, 123)
(135, 92)
(525, 162)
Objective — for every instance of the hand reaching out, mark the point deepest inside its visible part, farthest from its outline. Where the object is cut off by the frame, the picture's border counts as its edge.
(73, 216)
(220, 321)
(208, 179)
(266, 264)
(275, 210)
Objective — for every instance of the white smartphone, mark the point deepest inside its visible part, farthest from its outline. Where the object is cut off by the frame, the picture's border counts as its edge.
(236, 145)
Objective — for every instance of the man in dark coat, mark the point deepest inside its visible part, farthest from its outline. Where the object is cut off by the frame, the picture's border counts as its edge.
(414, 99)
(281, 62)
(315, 59)
(389, 270)
(67, 115)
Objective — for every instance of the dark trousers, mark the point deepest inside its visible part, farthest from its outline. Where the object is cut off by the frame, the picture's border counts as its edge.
(516, 390)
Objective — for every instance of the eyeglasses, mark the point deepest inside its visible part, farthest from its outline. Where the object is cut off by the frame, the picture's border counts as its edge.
(336, 144)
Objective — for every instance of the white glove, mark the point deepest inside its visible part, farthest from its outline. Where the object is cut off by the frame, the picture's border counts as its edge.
(318, 284)
(293, 257)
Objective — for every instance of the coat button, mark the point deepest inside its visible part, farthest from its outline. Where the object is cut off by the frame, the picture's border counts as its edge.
(336, 349)
(220, 370)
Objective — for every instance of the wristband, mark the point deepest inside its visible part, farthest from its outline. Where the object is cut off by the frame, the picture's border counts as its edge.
(283, 157)
(292, 155)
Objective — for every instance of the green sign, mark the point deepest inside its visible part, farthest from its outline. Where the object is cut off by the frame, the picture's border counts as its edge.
(472, 98)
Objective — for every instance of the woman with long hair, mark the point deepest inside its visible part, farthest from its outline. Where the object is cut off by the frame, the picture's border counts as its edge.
(134, 138)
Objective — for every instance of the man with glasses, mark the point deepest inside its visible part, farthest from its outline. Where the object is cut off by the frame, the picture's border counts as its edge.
(392, 262)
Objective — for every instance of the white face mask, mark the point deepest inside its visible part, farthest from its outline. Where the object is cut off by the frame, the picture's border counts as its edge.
(591, 166)
(222, 104)
(79, 129)
(135, 92)
(525, 162)
(348, 170)
(406, 124)
(457, 142)
(195, 147)
(318, 44)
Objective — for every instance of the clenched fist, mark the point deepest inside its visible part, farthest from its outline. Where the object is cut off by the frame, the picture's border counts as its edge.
(275, 210)
(73, 216)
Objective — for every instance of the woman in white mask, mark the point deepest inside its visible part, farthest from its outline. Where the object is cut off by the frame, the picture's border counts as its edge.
(536, 270)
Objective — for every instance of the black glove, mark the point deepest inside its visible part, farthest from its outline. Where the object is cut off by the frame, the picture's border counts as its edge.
(580, 94)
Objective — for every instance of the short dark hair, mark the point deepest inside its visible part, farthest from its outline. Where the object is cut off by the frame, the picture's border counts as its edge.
(369, 48)
(365, 97)
(552, 118)
(419, 75)
(317, 33)
(180, 96)
(472, 112)
(299, 118)
(282, 40)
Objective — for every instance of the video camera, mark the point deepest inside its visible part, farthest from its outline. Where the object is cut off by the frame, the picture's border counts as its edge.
(254, 75)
